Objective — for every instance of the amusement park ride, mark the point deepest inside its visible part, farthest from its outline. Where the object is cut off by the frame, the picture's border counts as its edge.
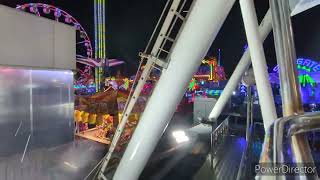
(206, 82)
(216, 71)
(91, 61)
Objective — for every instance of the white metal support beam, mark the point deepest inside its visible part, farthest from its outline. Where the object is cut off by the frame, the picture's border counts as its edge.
(151, 61)
(198, 32)
(245, 61)
(259, 64)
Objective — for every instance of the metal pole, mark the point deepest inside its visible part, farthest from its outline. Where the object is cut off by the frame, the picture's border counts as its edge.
(259, 64)
(249, 110)
(244, 63)
(290, 89)
(286, 58)
(200, 28)
(95, 30)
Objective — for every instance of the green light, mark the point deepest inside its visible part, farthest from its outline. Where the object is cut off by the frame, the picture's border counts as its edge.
(306, 79)
(192, 84)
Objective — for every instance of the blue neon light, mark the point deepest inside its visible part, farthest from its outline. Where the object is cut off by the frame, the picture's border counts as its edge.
(305, 65)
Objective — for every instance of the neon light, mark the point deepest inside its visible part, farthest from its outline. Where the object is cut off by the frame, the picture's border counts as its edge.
(126, 83)
(306, 79)
(213, 92)
(211, 64)
(83, 86)
(304, 65)
(193, 84)
(216, 72)
(211, 71)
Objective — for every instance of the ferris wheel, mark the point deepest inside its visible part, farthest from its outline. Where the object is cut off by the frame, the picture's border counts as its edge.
(83, 43)
(84, 46)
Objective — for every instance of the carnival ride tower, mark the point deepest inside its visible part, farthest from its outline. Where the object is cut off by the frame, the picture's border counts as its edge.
(100, 40)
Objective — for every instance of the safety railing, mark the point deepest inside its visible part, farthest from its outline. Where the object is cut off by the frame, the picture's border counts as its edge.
(249, 156)
(280, 147)
(246, 156)
(217, 137)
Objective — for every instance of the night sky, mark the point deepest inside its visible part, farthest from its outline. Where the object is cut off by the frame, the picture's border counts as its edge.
(131, 22)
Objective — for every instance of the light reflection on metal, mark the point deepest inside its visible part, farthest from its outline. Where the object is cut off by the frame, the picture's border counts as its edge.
(44, 115)
(285, 128)
(25, 148)
(70, 165)
(291, 99)
(180, 136)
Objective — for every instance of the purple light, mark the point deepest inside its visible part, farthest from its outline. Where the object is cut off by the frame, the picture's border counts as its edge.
(46, 9)
(33, 9)
(241, 142)
(57, 13)
(77, 26)
(67, 19)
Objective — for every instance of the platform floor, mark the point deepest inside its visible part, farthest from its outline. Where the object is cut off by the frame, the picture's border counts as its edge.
(72, 161)
(225, 163)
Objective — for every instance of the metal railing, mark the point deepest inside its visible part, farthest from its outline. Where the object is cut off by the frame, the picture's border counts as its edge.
(280, 138)
(294, 120)
(246, 156)
(284, 128)
(217, 136)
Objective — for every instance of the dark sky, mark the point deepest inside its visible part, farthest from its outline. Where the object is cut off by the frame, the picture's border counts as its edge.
(131, 22)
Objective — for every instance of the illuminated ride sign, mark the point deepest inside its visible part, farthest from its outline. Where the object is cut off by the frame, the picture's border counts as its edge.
(304, 65)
